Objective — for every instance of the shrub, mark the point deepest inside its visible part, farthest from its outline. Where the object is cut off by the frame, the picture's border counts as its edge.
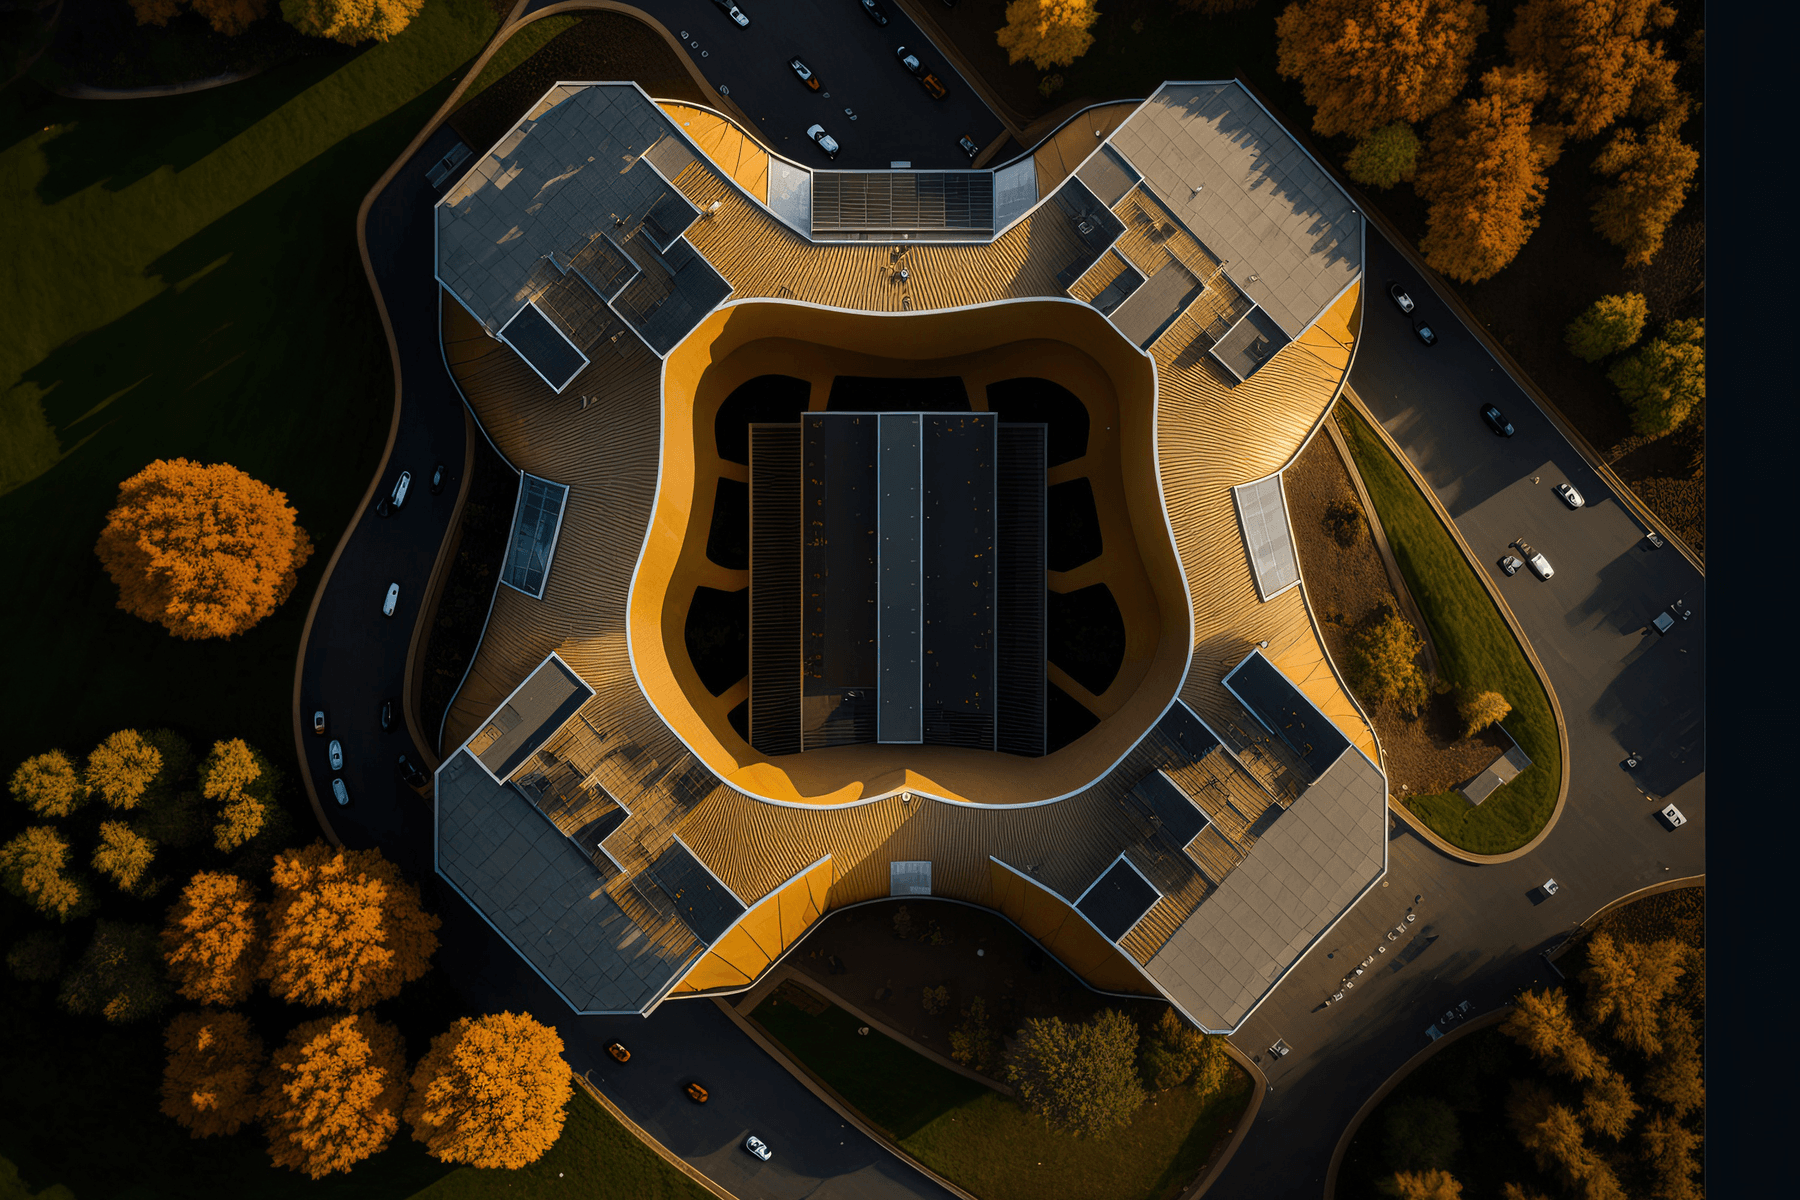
(1609, 325)
(1344, 522)
(935, 999)
(1176, 1053)
(1386, 156)
(1082, 1079)
(1482, 710)
(490, 1092)
(210, 1079)
(119, 976)
(1382, 663)
(229, 17)
(49, 785)
(243, 784)
(972, 1042)
(902, 923)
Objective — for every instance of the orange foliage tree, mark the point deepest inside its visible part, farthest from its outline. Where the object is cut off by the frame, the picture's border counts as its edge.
(351, 21)
(1596, 56)
(331, 1096)
(49, 784)
(1484, 178)
(209, 1082)
(1051, 33)
(122, 768)
(1364, 64)
(490, 1092)
(344, 928)
(230, 17)
(202, 551)
(213, 939)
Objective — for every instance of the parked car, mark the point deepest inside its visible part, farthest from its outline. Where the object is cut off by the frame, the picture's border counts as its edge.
(618, 1051)
(1540, 566)
(393, 600)
(399, 494)
(1550, 887)
(335, 752)
(340, 792)
(437, 478)
(1399, 296)
(874, 12)
(390, 715)
(805, 73)
(909, 60)
(696, 1093)
(1569, 495)
(1511, 564)
(1425, 333)
(968, 146)
(758, 1147)
(1497, 421)
(1672, 817)
(734, 12)
(827, 143)
(412, 775)
(319, 723)
(934, 87)
(1655, 540)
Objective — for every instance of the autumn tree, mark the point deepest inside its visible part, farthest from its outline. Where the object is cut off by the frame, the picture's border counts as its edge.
(204, 551)
(1669, 1148)
(1081, 1078)
(229, 17)
(122, 768)
(344, 928)
(1596, 56)
(1608, 1106)
(1051, 33)
(1665, 380)
(213, 940)
(490, 1092)
(1609, 325)
(1541, 1023)
(49, 784)
(351, 21)
(1176, 1053)
(1553, 1135)
(1675, 1076)
(1653, 174)
(36, 958)
(210, 1079)
(1484, 178)
(119, 976)
(331, 1096)
(1626, 983)
(123, 855)
(1365, 64)
(1421, 1185)
(243, 785)
(972, 1042)
(1386, 156)
(1382, 662)
(1421, 1135)
(33, 867)
(1480, 710)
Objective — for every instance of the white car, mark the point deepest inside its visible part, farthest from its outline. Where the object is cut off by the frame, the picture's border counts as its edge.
(827, 143)
(393, 599)
(1569, 495)
(1551, 887)
(1672, 817)
(319, 722)
(758, 1147)
(335, 752)
(340, 791)
(1511, 564)
(400, 486)
(1540, 566)
(734, 12)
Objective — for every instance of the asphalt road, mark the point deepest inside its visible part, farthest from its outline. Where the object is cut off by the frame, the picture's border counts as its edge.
(894, 120)
(1479, 930)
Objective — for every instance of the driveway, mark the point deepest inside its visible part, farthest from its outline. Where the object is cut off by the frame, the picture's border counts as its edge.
(1479, 931)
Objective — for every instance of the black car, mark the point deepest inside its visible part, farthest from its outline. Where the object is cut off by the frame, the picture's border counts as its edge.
(874, 12)
(390, 715)
(410, 773)
(1426, 333)
(1497, 421)
(1400, 298)
(968, 146)
(805, 73)
(438, 477)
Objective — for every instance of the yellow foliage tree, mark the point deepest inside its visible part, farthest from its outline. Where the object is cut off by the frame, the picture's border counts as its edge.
(213, 939)
(344, 928)
(1422, 1185)
(33, 867)
(122, 768)
(1383, 663)
(1481, 710)
(1626, 983)
(331, 1097)
(1669, 1148)
(1553, 1135)
(1675, 1075)
(1364, 64)
(1653, 174)
(49, 784)
(242, 783)
(1541, 1023)
(209, 1082)
(123, 854)
(204, 551)
(1484, 178)
(1607, 1105)
(351, 21)
(229, 17)
(490, 1092)
(1051, 33)
(1596, 56)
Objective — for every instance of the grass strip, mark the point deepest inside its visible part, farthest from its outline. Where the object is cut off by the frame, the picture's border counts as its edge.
(1476, 652)
(519, 47)
(987, 1143)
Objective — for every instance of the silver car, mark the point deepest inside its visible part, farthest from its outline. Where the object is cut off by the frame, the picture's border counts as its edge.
(393, 600)
(335, 752)
(758, 1147)
(1569, 495)
(340, 791)
(1511, 564)
(827, 143)
(400, 486)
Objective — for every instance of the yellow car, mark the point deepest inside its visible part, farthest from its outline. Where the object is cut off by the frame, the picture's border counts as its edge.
(696, 1093)
(618, 1051)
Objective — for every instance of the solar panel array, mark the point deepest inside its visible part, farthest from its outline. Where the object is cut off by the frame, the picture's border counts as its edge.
(877, 201)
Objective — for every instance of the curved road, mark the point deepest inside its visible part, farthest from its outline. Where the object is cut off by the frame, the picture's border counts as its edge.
(1478, 931)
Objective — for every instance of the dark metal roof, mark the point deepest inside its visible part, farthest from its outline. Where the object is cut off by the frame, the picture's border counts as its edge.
(901, 501)
(704, 904)
(1286, 712)
(1117, 900)
(1153, 307)
(1252, 342)
(539, 707)
(539, 342)
(775, 588)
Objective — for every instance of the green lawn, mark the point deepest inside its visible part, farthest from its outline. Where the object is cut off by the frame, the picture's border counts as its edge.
(1475, 650)
(988, 1144)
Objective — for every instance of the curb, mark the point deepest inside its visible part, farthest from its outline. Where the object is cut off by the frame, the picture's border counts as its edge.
(642, 1135)
(1667, 885)
(1411, 819)
(838, 1104)
(434, 595)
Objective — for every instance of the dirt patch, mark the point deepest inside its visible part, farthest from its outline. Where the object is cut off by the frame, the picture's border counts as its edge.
(858, 954)
(1347, 585)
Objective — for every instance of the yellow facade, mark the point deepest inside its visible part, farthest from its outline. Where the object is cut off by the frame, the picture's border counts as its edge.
(763, 934)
